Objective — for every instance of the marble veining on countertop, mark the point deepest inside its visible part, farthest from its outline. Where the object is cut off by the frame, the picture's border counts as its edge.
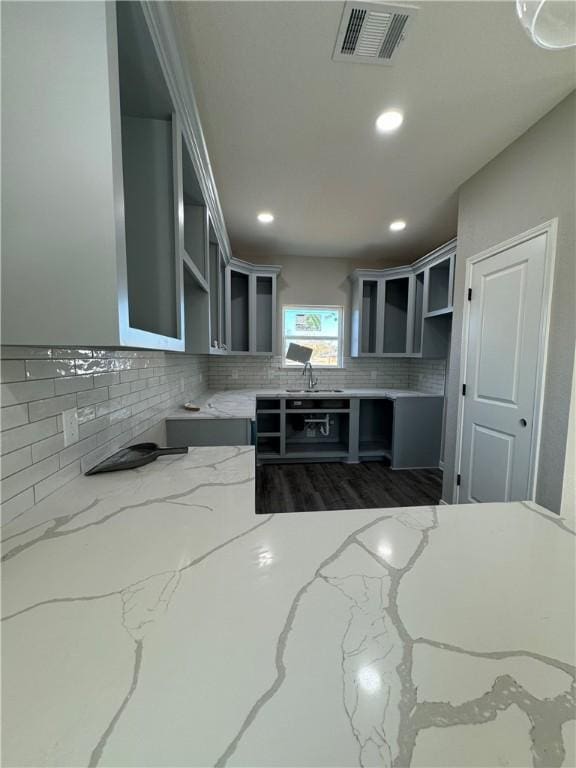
(241, 403)
(150, 618)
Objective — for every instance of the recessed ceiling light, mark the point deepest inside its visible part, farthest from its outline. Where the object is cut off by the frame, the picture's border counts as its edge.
(265, 217)
(397, 226)
(389, 121)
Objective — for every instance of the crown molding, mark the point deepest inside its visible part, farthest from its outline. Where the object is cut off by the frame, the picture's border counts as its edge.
(438, 254)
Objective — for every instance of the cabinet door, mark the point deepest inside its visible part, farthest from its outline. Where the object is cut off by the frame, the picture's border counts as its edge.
(264, 313)
(238, 308)
(222, 307)
(61, 222)
(398, 315)
(440, 286)
(369, 290)
(215, 295)
(150, 162)
(418, 312)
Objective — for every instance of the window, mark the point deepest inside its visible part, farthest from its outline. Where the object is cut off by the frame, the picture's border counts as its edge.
(317, 327)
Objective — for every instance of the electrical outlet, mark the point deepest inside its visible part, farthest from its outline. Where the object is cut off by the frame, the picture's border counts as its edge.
(70, 425)
(234, 373)
(373, 375)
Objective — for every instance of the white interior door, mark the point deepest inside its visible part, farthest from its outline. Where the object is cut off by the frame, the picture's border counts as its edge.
(507, 309)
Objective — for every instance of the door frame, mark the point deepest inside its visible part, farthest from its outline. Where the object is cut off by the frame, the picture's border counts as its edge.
(551, 229)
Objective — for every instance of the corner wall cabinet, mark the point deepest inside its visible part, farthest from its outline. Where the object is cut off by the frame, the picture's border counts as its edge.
(104, 240)
(251, 308)
(404, 311)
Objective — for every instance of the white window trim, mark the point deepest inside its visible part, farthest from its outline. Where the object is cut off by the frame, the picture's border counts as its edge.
(339, 338)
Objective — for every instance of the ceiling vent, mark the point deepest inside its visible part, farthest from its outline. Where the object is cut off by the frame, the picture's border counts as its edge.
(371, 33)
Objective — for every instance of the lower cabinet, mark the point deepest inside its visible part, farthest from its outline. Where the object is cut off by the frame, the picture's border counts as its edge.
(405, 431)
(199, 432)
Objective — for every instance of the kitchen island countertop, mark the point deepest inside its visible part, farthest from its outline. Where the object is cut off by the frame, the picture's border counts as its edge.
(150, 618)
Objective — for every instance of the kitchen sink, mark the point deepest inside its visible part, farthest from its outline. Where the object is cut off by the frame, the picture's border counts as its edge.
(319, 391)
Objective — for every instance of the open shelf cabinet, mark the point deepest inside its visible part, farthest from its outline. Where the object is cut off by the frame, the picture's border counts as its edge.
(251, 303)
(395, 311)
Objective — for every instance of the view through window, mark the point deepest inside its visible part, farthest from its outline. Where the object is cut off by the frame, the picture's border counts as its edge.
(319, 328)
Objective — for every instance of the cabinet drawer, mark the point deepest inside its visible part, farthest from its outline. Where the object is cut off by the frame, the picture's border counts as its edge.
(198, 432)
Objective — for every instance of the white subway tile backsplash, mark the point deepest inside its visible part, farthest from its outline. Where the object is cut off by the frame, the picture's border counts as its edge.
(49, 369)
(73, 384)
(57, 480)
(20, 481)
(48, 447)
(12, 370)
(105, 379)
(116, 394)
(25, 391)
(92, 396)
(41, 409)
(117, 390)
(106, 365)
(15, 461)
(93, 426)
(13, 416)
(28, 434)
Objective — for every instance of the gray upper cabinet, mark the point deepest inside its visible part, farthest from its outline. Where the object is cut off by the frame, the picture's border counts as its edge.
(251, 308)
(434, 301)
(90, 190)
(405, 311)
(105, 238)
(382, 312)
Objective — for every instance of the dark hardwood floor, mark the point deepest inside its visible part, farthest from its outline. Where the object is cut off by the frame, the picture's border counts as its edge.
(315, 487)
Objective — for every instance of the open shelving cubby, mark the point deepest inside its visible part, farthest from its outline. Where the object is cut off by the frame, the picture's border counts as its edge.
(150, 140)
(239, 311)
(375, 428)
(265, 307)
(418, 312)
(439, 286)
(335, 444)
(396, 315)
(369, 316)
(436, 336)
(268, 423)
(268, 446)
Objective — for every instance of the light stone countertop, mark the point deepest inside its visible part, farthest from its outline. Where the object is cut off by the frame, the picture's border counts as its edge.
(150, 618)
(241, 403)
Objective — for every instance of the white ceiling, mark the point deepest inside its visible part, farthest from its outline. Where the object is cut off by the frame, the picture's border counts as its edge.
(289, 130)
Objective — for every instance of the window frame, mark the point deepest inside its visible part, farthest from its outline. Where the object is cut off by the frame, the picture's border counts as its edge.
(340, 338)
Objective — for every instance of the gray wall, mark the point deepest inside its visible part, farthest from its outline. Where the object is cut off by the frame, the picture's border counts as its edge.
(314, 281)
(530, 182)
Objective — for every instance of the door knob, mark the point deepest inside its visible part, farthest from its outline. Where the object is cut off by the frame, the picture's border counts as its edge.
(523, 423)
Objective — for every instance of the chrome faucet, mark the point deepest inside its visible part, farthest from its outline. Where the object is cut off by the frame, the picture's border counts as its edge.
(312, 382)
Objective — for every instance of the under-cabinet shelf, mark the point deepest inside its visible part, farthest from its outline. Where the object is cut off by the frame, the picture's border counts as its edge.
(317, 410)
(374, 448)
(296, 450)
(193, 270)
(439, 312)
